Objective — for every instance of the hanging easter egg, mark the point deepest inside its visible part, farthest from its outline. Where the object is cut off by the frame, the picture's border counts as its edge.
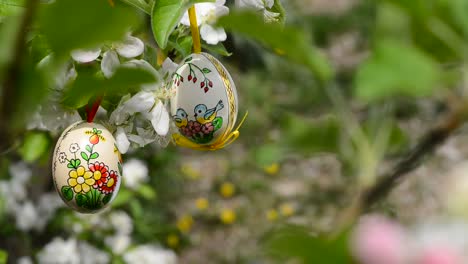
(87, 167)
(204, 107)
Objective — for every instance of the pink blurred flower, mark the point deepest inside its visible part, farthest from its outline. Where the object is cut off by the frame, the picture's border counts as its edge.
(377, 240)
(440, 255)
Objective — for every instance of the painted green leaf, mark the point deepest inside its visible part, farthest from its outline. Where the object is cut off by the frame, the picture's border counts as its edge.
(384, 75)
(188, 59)
(84, 156)
(77, 163)
(81, 200)
(217, 123)
(88, 148)
(95, 155)
(70, 165)
(165, 16)
(206, 70)
(106, 199)
(67, 193)
(118, 20)
(288, 41)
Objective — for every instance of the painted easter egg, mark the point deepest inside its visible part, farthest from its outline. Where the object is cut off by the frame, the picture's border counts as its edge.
(87, 167)
(204, 107)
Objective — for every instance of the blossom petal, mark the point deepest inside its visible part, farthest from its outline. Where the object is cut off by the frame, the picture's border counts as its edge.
(90, 181)
(121, 140)
(80, 171)
(77, 188)
(85, 187)
(85, 56)
(212, 35)
(72, 182)
(73, 174)
(88, 175)
(168, 67)
(160, 119)
(110, 62)
(130, 47)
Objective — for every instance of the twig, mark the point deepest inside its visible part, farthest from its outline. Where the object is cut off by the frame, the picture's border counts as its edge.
(10, 83)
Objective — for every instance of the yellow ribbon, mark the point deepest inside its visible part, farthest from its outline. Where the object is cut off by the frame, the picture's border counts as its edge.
(222, 142)
(194, 28)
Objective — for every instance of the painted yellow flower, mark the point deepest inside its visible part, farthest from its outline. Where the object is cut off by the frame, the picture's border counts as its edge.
(227, 189)
(81, 180)
(202, 204)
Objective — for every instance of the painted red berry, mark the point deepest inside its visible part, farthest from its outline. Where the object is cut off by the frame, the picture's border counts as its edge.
(202, 84)
(195, 80)
(210, 84)
(181, 78)
(189, 78)
(206, 89)
(178, 83)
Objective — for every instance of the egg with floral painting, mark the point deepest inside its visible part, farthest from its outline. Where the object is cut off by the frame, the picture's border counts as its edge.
(87, 167)
(204, 107)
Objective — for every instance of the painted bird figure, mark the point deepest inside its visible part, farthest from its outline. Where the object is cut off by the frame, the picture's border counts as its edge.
(205, 115)
(180, 118)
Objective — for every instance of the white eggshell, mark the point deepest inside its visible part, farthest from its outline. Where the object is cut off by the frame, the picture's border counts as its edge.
(204, 107)
(87, 167)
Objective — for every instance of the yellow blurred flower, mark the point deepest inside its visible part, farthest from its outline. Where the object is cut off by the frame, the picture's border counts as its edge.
(287, 209)
(227, 189)
(184, 224)
(272, 169)
(172, 240)
(202, 203)
(272, 215)
(190, 172)
(227, 216)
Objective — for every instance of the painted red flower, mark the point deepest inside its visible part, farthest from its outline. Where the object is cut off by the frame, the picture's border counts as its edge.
(110, 184)
(207, 128)
(100, 173)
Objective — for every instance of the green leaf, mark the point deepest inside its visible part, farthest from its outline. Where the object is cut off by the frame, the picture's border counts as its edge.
(67, 24)
(278, 8)
(35, 145)
(67, 193)
(3, 257)
(396, 69)
(217, 49)
(311, 136)
(84, 156)
(88, 148)
(81, 200)
(287, 41)
(10, 7)
(95, 155)
(297, 243)
(88, 85)
(147, 192)
(268, 154)
(165, 16)
(106, 199)
(123, 198)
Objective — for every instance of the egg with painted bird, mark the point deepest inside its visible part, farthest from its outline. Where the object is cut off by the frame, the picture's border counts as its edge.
(204, 107)
(87, 167)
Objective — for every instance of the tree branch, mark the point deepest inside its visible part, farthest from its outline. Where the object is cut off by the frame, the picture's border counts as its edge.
(10, 84)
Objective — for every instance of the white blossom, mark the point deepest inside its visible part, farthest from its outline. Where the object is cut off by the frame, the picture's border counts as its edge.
(90, 254)
(86, 56)
(150, 254)
(121, 222)
(262, 6)
(160, 119)
(207, 15)
(168, 68)
(59, 251)
(135, 172)
(109, 64)
(131, 47)
(26, 216)
(121, 140)
(118, 243)
(24, 260)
